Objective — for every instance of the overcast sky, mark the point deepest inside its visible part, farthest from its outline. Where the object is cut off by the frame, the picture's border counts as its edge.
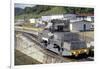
(23, 5)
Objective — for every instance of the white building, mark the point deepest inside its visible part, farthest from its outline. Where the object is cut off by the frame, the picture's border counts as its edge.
(32, 20)
(90, 18)
(48, 18)
(87, 17)
(70, 16)
(81, 26)
(61, 16)
(73, 17)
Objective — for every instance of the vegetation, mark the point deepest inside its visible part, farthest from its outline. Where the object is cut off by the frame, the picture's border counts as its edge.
(40, 10)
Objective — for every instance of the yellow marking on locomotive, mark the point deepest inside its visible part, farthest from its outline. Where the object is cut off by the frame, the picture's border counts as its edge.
(80, 51)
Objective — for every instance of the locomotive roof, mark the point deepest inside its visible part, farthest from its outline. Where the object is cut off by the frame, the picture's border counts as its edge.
(59, 21)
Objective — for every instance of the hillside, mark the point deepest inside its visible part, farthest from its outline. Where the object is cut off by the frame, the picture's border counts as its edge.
(18, 11)
(40, 10)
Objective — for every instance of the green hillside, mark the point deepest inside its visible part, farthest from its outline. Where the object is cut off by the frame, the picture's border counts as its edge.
(40, 10)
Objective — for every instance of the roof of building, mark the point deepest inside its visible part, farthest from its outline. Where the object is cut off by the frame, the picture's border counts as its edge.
(85, 14)
(58, 21)
(85, 21)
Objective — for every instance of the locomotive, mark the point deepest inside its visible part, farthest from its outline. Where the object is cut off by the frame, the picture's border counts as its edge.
(57, 38)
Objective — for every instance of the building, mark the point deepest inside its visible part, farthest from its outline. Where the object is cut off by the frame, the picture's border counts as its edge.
(32, 20)
(60, 16)
(77, 17)
(48, 18)
(81, 26)
(70, 16)
(60, 25)
(84, 16)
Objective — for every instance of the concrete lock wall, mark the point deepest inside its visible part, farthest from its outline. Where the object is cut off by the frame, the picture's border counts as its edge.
(33, 52)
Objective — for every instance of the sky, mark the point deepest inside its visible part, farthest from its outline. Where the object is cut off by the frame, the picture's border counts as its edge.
(23, 5)
(76, 3)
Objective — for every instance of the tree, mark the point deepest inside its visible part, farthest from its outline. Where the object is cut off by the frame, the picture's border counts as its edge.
(27, 10)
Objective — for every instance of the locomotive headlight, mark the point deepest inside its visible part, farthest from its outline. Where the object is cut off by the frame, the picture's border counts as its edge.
(85, 50)
(74, 52)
